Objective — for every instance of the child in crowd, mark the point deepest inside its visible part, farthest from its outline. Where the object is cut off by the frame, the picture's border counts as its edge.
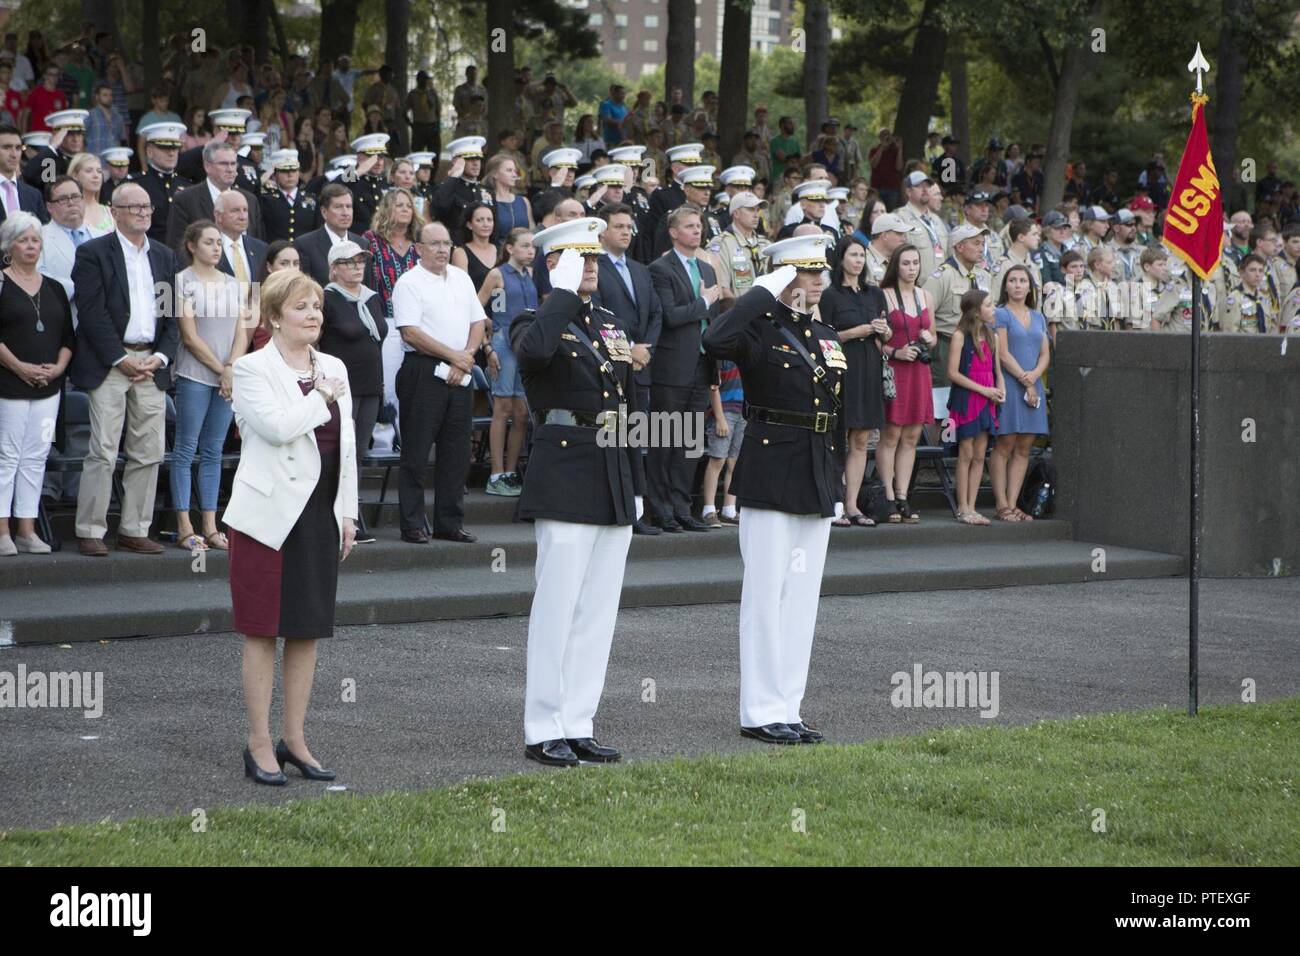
(723, 432)
(977, 389)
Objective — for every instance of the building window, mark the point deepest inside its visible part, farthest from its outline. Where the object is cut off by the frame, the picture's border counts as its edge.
(622, 43)
(650, 46)
(597, 19)
(620, 19)
(652, 20)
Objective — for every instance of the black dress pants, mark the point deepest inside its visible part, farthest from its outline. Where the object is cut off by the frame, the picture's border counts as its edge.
(433, 413)
(670, 476)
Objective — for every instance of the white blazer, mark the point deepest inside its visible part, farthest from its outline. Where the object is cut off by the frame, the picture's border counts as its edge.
(57, 256)
(279, 464)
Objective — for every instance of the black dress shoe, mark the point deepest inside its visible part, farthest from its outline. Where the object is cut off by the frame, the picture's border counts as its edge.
(415, 536)
(590, 750)
(460, 536)
(669, 525)
(772, 734)
(552, 753)
(807, 733)
(691, 524)
(642, 527)
(284, 755)
(251, 769)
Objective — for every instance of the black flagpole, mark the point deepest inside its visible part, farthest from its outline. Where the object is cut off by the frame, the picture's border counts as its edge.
(1194, 555)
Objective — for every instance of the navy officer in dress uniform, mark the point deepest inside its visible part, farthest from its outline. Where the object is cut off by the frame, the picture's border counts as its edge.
(461, 187)
(609, 184)
(162, 144)
(425, 162)
(813, 196)
(288, 210)
(638, 198)
(33, 141)
(227, 124)
(582, 491)
(671, 195)
(117, 168)
(561, 166)
(68, 138)
(735, 180)
(787, 479)
(369, 184)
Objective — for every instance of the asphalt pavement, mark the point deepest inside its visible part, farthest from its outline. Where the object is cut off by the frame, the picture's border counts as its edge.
(441, 702)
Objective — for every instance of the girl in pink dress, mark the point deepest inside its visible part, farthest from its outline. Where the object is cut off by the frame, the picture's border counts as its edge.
(977, 390)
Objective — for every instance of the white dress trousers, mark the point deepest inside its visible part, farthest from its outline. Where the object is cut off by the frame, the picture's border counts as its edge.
(784, 555)
(579, 581)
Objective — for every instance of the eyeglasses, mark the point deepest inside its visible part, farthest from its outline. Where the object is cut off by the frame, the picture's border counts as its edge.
(63, 200)
(437, 244)
(137, 209)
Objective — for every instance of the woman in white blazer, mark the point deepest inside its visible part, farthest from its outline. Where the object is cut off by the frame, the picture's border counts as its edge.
(292, 515)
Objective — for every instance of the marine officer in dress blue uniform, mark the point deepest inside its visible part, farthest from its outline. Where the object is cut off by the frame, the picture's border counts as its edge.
(787, 479)
(582, 490)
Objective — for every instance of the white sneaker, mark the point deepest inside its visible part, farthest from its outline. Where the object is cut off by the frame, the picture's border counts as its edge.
(32, 545)
(7, 546)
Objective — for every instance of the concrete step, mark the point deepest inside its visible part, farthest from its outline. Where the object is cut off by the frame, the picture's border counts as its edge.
(674, 574)
(513, 542)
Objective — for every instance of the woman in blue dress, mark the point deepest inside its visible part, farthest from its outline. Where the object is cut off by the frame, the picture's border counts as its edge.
(1023, 347)
(512, 211)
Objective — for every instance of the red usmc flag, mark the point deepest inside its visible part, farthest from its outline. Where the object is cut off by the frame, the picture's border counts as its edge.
(1194, 220)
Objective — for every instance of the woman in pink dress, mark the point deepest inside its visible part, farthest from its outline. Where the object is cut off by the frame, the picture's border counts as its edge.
(908, 353)
(977, 390)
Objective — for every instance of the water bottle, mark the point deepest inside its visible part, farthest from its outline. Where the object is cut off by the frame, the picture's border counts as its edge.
(1041, 499)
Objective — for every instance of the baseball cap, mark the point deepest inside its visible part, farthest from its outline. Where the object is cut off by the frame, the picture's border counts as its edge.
(916, 177)
(747, 200)
(978, 195)
(1125, 218)
(888, 222)
(1141, 202)
(347, 249)
(1055, 220)
(1015, 212)
(1094, 214)
(966, 231)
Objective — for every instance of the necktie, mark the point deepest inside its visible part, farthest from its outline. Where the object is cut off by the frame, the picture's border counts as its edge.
(237, 261)
(693, 268)
(11, 197)
(627, 279)
(78, 237)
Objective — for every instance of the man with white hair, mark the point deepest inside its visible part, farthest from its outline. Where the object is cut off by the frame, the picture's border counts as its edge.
(241, 255)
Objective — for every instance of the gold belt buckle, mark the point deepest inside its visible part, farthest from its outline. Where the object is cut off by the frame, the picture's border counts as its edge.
(821, 422)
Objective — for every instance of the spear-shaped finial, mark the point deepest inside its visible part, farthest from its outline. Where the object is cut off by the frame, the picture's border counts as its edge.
(1199, 66)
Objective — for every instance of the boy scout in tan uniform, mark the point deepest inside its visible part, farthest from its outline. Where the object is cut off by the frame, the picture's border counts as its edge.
(1099, 297)
(1251, 310)
(962, 271)
(928, 232)
(740, 251)
(1019, 254)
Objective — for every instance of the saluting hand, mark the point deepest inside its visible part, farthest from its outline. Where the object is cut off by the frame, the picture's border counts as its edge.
(568, 271)
(457, 167)
(776, 282)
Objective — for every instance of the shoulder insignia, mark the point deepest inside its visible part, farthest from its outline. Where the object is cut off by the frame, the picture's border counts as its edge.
(609, 325)
(939, 271)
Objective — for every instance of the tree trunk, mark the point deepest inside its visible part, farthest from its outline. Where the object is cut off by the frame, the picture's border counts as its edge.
(103, 14)
(281, 42)
(679, 68)
(256, 32)
(921, 81)
(1067, 100)
(397, 45)
(338, 30)
(733, 81)
(1228, 87)
(150, 50)
(500, 69)
(816, 97)
(959, 105)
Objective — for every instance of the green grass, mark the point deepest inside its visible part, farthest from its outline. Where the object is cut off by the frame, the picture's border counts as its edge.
(1217, 790)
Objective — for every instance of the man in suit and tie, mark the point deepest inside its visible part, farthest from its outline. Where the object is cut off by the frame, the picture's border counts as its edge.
(336, 226)
(626, 289)
(680, 372)
(241, 255)
(199, 200)
(14, 193)
(127, 338)
(64, 234)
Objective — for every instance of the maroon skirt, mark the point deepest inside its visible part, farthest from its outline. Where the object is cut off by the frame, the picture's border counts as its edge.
(291, 593)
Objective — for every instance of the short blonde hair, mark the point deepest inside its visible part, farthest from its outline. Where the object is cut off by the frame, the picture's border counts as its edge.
(282, 286)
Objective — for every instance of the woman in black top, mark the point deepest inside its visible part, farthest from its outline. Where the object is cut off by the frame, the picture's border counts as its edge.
(857, 311)
(477, 252)
(36, 342)
(353, 330)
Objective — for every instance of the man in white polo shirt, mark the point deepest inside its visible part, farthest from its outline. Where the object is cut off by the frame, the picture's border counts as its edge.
(440, 319)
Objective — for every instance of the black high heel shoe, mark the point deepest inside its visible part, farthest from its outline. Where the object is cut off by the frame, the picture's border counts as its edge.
(251, 769)
(284, 756)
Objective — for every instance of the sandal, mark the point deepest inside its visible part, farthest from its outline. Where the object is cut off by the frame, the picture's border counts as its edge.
(905, 512)
(861, 520)
(1022, 516)
(894, 517)
(1007, 514)
(841, 523)
(192, 543)
(218, 540)
(972, 517)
